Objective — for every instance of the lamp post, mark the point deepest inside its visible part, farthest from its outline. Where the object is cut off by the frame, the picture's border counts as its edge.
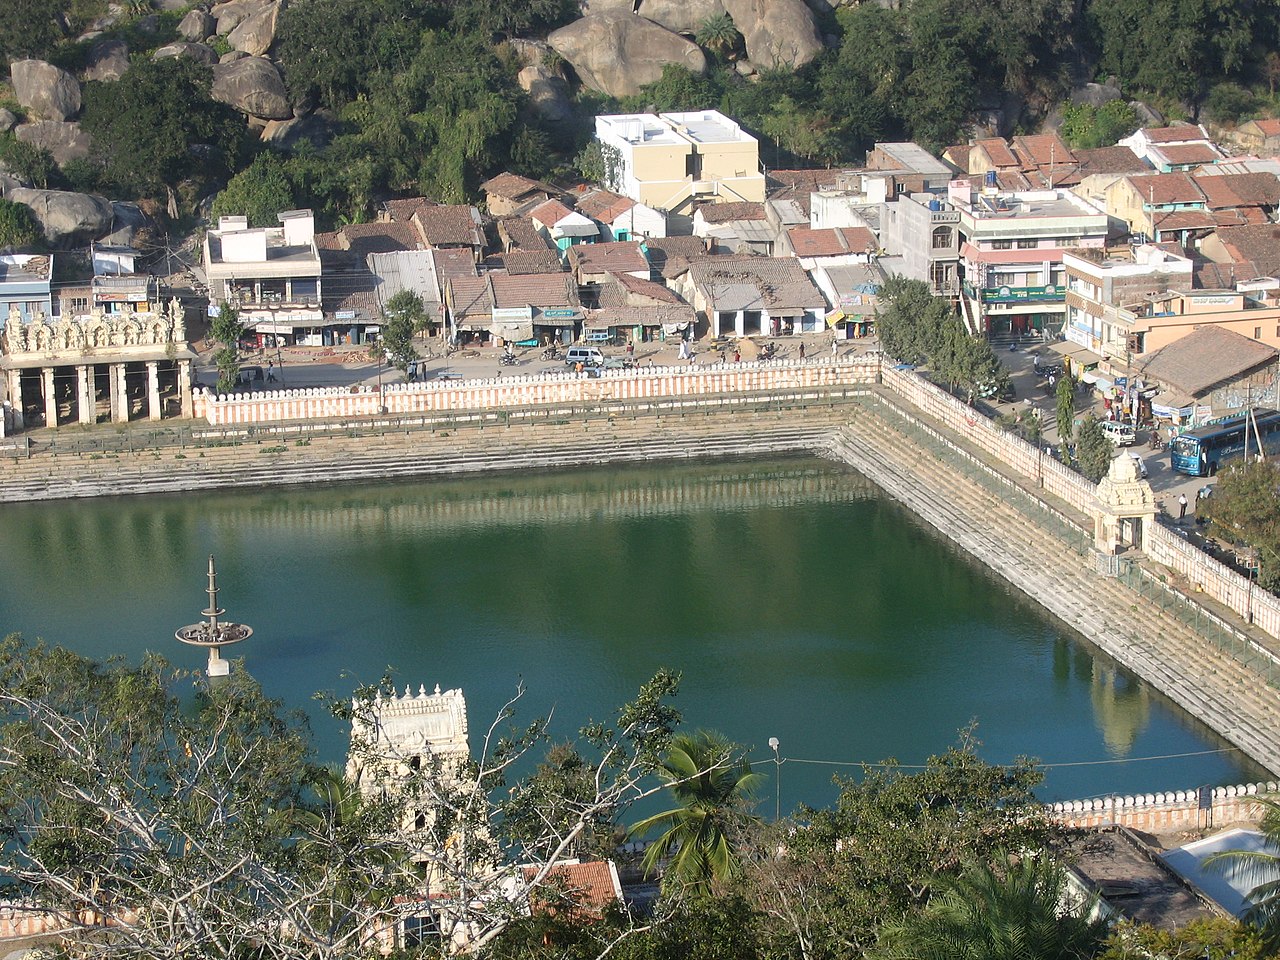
(777, 779)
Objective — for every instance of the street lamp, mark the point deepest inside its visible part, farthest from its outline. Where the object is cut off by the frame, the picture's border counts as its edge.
(777, 779)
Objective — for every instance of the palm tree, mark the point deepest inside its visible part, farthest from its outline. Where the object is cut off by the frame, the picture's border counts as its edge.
(718, 34)
(712, 782)
(1262, 869)
(1012, 912)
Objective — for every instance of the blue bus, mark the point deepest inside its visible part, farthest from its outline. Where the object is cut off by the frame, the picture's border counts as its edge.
(1202, 451)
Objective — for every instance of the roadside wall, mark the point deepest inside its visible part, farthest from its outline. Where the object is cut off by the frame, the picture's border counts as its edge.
(1188, 810)
(647, 383)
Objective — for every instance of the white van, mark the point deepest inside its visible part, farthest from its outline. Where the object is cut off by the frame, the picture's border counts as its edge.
(1121, 434)
(587, 356)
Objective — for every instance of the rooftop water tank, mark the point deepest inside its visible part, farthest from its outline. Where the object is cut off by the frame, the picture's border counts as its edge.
(935, 205)
(991, 178)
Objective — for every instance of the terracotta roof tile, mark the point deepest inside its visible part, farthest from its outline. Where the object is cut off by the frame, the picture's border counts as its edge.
(469, 296)
(619, 257)
(1257, 243)
(550, 213)
(958, 155)
(806, 242)
(1179, 133)
(521, 232)
(1223, 276)
(400, 211)
(450, 225)
(1110, 160)
(1209, 355)
(1166, 188)
(1185, 220)
(575, 888)
(1239, 189)
(1043, 150)
(519, 261)
(534, 289)
(998, 152)
(671, 256)
(603, 205)
(647, 288)
(1268, 126)
(1186, 153)
(512, 186)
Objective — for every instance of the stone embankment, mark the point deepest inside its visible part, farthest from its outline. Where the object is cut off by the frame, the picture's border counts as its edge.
(1019, 539)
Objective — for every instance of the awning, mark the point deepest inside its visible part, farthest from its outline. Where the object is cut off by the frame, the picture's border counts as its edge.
(263, 326)
(1075, 353)
(673, 328)
(512, 331)
(1097, 379)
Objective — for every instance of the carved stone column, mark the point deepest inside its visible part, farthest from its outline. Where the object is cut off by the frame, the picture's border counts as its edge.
(86, 393)
(15, 398)
(153, 390)
(184, 388)
(50, 401)
(119, 395)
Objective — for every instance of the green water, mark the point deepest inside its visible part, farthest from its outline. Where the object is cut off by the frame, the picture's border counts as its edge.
(796, 600)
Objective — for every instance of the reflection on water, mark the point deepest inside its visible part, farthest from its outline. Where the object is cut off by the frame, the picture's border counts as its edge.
(795, 600)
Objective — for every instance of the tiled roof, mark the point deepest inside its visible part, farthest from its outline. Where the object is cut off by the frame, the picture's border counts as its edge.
(1204, 358)
(452, 263)
(1043, 150)
(349, 284)
(1239, 216)
(1110, 160)
(520, 232)
(737, 283)
(1257, 243)
(998, 151)
(806, 242)
(958, 154)
(363, 239)
(585, 888)
(512, 186)
(1240, 189)
(1223, 276)
(1186, 153)
(620, 257)
(470, 296)
(519, 261)
(646, 288)
(550, 213)
(671, 256)
(1268, 126)
(450, 225)
(1179, 133)
(534, 289)
(401, 211)
(603, 205)
(728, 212)
(1185, 220)
(1164, 188)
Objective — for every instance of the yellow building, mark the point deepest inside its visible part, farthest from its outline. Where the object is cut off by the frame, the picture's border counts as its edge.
(672, 161)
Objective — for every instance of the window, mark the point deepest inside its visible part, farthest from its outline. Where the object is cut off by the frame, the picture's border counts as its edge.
(1001, 244)
(1028, 244)
(1257, 333)
(942, 238)
(78, 305)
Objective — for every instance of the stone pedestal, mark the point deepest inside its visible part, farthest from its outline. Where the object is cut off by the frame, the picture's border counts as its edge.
(1126, 505)
(153, 391)
(50, 401)
(86, 394)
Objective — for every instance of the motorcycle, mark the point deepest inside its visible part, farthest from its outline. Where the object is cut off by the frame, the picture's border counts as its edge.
(508, 360)
(552, 353)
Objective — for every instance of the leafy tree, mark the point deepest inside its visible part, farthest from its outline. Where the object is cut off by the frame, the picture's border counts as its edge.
(259, 192)
(145, 123)
(805, 133)
(18, 226)
(1205, 938)
(511, 18)
(1094, 452)
(227, 330)
(26, 161)
(30, 29)
(1087, 126)
(1245, 506)
(718, 34)
(1007, 910)
(678, 89)
(403, 317)
(888, 846)
(1228, 102)
(1065, 397)
(712, 782)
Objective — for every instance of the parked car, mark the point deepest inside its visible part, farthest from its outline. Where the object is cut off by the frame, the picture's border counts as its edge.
(587, 356)
(1121, 434)
(1142, 464)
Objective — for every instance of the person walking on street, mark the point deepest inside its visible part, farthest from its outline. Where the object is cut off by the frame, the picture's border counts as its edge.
(271, 371)
(835, 344)
(801, 349)
(737, 356)
(1182, 506)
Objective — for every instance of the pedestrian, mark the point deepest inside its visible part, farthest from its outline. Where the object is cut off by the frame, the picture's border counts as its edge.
(801, 349)
(737, 355)
(1182, 505)
(692, 361)
(1052, 381)
(834, 345)
(271, 371)
(631, 348)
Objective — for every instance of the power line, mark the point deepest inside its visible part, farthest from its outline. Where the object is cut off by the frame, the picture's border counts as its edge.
(1042, 766)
